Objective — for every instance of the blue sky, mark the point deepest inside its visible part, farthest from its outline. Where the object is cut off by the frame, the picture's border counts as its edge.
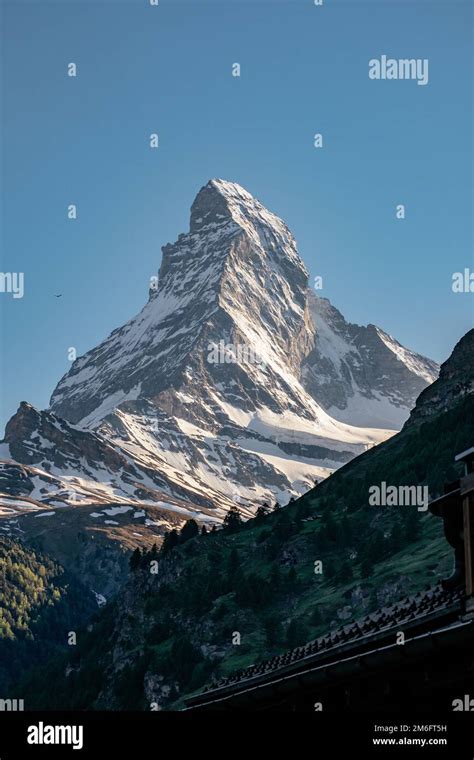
(167, 69)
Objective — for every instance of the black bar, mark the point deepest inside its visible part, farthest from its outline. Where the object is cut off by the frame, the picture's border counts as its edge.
(153, 734)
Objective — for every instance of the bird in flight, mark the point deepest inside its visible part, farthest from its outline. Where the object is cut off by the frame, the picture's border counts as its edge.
(58, 296)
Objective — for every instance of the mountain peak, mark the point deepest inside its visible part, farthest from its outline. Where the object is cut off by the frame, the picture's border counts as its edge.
(229, 189)
(211, 206)
(221, 202)
(231, 192)
(229, 381)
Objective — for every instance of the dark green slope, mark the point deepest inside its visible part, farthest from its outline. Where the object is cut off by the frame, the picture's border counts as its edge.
(39, 605)
(169, 633)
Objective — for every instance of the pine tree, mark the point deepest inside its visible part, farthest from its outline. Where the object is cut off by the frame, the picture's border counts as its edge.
(135, 560)
(170, 541)
(232, 520)
(261, 513)
(189, 530)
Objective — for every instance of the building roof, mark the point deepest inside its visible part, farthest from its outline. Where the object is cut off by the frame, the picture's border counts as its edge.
(432, 611)
(465, 455)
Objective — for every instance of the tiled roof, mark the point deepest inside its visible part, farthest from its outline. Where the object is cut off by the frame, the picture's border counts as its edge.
(413, 611)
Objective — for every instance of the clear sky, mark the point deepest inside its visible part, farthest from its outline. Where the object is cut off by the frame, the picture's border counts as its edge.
(168, 69)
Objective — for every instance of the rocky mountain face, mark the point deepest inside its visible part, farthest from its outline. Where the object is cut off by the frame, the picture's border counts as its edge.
(362, 375)
(456, 381)
(64, 463)
(234, 384)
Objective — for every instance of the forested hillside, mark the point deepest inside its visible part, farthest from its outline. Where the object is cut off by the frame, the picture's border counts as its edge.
(39, 605)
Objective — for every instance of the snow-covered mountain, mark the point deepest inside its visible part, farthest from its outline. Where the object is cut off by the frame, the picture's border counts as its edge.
(234, 384)
(362, 375)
